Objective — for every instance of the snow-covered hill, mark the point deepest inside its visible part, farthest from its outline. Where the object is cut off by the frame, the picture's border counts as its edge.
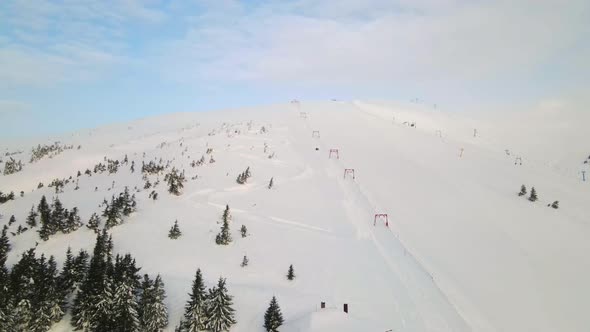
(460, 251)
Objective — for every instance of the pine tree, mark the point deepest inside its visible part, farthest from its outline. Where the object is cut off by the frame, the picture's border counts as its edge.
(555, 205)
(6, 318)
(224, 236)
(32, 218)
(72, 222)
(533, 196)
(291, 273)
(112, 213)
(174, 232)
(80, 266)
(220, 314)
(94, 223)
(244, 231)
(273, 318)
(245, 261)
(93, 293)
(41, 320)
(58, 217)
(175, 182)
(155, 316)
(125, 307)
(105, 315)
(522, 190)
(12, 220)
(271, 183)
(145, 289)
(4, 245)
(66, 277)
(194, 312)
(23, 316)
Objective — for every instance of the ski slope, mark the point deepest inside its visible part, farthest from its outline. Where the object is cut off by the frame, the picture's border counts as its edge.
(461, 252)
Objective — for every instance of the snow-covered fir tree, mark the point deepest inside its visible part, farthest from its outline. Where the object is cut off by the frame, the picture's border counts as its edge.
(522, 190)
(273, 318)
(244, 231)
(145, 289)
(94, 223)
(125, 307)
(174, 232)
(271, 183)
(11, 220)
(72, 222)
(291, 273)
(245, 261)
(22, 316)
(220, 313)
(195, 309)
(533, 196)
(555, 205)
(4, 245)
(32, 218)
(6, 197)
(12, 166)
(155, 313)
(244, 176)
(224, 236)
(175, 180)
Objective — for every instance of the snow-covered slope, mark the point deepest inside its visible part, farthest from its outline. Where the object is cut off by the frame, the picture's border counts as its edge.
(461, 251)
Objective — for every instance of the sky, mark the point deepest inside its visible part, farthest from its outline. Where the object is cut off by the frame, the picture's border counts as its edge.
(67, 64)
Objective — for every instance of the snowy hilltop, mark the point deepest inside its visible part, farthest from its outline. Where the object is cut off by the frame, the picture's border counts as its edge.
(319, 216)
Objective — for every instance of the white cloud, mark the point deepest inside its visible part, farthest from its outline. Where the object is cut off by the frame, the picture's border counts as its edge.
(53, 41)
(379, 41)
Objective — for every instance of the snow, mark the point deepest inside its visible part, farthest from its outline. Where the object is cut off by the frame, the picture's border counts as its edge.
(462, 251)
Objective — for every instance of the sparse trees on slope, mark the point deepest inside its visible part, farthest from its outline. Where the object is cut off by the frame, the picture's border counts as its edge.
(12, 166)
(220, 314)
(273, 318)
(244, 176)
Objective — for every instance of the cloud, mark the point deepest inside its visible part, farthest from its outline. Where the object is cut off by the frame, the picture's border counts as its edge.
(48, 42)
(441, 45)
(378, 41)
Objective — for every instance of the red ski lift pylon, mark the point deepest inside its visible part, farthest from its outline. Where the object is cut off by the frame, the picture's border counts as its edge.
(335, 153)
(349, 171)
(381, 216)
